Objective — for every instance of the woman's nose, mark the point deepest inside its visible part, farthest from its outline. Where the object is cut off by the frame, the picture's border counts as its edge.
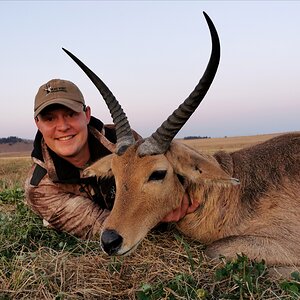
(62, 124)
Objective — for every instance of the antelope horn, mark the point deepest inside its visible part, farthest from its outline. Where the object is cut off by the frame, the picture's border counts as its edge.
(123, 131)
(159, 141)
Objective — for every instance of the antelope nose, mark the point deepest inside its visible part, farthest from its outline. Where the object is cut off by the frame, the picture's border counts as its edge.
(111, 241)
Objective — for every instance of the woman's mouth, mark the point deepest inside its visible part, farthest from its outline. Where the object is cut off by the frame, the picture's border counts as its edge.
(65, 138)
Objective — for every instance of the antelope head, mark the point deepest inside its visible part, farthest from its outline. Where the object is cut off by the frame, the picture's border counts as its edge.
(152, 174)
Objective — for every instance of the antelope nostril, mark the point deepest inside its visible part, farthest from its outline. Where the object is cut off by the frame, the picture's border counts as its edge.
(111, 241)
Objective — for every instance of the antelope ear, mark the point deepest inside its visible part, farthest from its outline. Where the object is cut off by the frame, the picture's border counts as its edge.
(197, 167)
(101, 168)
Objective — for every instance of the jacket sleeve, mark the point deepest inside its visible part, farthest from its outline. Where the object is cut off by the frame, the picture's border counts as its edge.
(63, 210)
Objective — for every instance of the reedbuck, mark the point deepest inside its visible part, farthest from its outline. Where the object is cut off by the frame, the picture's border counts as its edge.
(249, 199)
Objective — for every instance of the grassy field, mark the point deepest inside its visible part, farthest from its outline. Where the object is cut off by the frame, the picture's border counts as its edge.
(40, 263)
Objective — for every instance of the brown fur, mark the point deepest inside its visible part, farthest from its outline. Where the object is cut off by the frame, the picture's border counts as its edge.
(259, 217)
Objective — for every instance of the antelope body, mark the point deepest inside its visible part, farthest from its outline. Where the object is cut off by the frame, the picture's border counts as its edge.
(249, 199)
(258, 217)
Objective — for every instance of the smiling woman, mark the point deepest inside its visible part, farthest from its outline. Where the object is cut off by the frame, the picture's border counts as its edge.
(68, 139)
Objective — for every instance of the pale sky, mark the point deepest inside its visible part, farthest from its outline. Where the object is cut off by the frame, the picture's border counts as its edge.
(151, 54)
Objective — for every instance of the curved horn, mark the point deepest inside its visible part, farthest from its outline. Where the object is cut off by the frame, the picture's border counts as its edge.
(123, 131)
(160, 140)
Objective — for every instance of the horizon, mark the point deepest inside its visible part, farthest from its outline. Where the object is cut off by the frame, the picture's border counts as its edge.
(151, 54)
(187, 137)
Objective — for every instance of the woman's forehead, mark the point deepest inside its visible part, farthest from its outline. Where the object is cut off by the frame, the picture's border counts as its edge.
(54, 108)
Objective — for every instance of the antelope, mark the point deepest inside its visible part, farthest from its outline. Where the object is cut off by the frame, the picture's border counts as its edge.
(249, 199)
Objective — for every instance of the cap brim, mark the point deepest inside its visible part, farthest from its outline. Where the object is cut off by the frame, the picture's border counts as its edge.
(72, 104)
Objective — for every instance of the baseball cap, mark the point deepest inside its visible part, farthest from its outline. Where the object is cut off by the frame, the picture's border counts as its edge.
(58, 91)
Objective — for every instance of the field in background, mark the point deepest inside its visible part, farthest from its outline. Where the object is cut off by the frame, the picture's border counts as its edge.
(40, 263)
(228, 144)
(20, 149)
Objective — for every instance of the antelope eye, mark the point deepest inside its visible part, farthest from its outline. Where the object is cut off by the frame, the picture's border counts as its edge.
(158, 175)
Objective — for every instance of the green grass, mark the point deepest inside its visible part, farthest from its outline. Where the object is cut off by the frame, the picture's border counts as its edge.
(21, 229)
(292, 287)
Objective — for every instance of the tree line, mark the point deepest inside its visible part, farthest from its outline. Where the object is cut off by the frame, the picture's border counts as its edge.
(196, 137)
(12, 140)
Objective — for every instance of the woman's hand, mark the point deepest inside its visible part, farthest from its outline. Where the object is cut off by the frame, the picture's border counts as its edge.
(185, 208)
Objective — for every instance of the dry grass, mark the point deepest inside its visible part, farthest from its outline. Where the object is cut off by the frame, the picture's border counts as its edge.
(92, 275)
(13, 171)
(39, 263)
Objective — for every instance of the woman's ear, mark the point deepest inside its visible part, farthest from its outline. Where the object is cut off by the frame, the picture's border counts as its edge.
(88, 113)
(36, 120)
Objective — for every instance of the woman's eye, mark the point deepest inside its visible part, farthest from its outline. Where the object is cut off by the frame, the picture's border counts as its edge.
(158, 175)
(48, 119)
(71, 114)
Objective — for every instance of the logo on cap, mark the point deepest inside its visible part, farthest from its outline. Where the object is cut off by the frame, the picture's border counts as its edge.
(50, 89)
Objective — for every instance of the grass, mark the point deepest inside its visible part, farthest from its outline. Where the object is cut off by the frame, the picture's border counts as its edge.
(40, 263)
(13, 171)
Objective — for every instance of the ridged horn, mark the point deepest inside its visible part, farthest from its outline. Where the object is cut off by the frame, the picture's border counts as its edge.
(123, 131)
(159, 141)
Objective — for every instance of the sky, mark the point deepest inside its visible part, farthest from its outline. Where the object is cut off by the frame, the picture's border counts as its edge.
(151, 54)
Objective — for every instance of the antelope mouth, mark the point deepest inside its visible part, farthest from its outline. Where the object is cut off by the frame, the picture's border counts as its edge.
(118, 252)
(129, 251)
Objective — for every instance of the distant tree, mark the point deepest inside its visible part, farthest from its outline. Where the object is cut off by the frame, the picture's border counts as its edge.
(10, 140)
(195, 137)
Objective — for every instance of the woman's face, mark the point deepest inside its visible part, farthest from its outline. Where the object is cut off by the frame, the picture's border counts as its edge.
(65, 131)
